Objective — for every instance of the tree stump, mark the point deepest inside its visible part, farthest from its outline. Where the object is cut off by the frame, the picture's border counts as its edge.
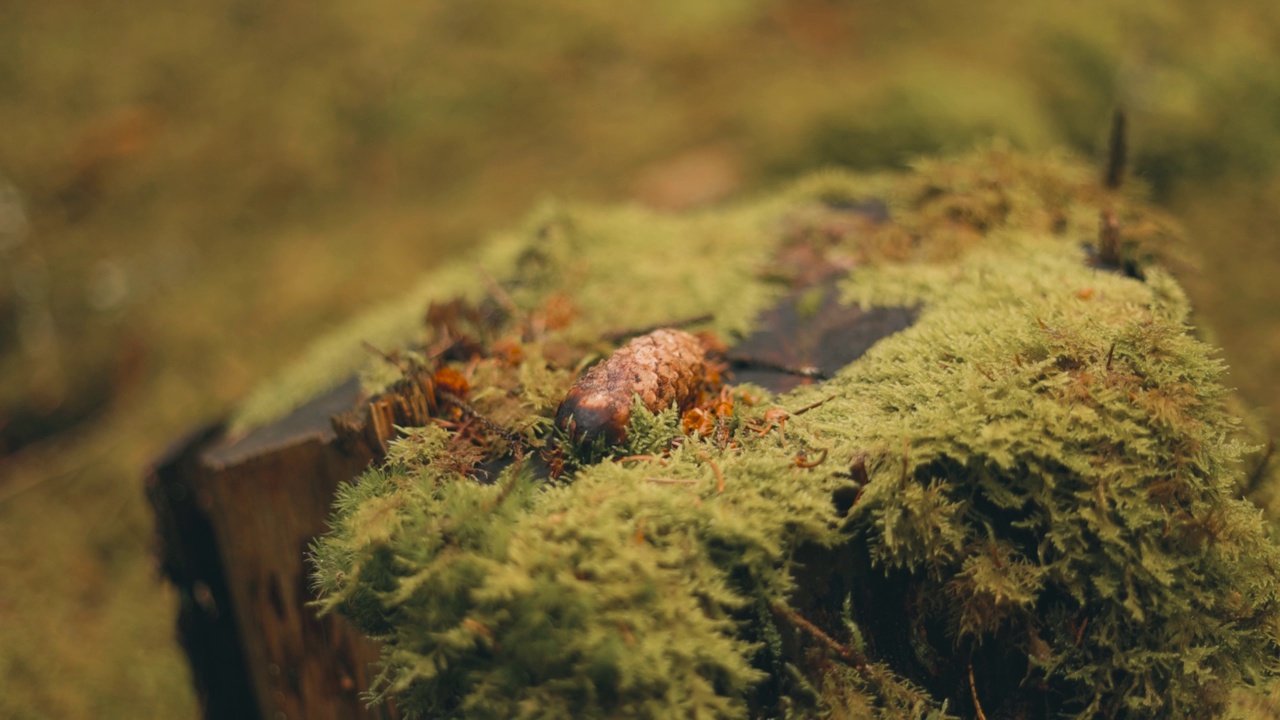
(1041, 384)
(235, 517)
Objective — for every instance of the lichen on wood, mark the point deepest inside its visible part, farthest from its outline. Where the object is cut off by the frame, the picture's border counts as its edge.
(1029, 503)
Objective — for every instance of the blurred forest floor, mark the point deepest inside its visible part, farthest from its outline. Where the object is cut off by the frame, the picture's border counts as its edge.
(189, 195)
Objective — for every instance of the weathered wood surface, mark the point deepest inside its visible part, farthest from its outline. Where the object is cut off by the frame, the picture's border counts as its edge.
(235, 517)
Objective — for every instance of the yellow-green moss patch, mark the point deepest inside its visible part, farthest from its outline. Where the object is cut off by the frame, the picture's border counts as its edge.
(1029, 498)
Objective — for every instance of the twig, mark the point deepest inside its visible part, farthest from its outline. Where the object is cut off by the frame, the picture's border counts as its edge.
(478, 628)
(1080, 631)
(813, 405)
(805, 371)
(973, 688)
(852, 657)
(395, 362)
(804, 462)
(513, 439)
(1048, 330)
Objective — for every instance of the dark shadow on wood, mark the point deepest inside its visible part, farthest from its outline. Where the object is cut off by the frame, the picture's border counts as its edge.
(235, 519)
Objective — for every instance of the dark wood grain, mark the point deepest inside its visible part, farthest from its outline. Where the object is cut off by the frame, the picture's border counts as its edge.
(235, 518)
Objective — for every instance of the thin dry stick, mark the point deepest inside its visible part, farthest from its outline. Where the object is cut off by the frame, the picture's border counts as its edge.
(813, 405)
(516, 442)
(746, 363)
(478, 628)
(855, 659)
(1080, 631)
(973, 688)
(804, 462)
(395, 362)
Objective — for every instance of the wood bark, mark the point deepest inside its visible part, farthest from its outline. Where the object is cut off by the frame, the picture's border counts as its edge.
(235, 518)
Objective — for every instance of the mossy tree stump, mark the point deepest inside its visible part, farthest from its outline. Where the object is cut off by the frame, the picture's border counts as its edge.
(1028, 499)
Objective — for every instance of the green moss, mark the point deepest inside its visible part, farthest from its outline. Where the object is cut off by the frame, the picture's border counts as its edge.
(1050, 511)
(1039, 467)
(614, 265)
(624, 267)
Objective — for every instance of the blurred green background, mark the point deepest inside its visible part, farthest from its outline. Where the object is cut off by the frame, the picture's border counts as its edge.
(190, 194)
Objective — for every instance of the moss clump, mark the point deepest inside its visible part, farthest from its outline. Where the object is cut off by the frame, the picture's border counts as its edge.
(610, 595)
(1057, 489)
(1028, 503)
